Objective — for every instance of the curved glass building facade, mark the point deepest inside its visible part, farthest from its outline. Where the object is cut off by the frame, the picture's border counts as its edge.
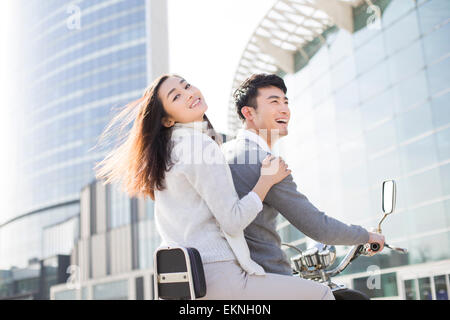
(84, 59)
(369, 90)
(371, 106)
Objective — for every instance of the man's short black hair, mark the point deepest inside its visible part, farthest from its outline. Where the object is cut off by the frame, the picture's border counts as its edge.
(247, 92)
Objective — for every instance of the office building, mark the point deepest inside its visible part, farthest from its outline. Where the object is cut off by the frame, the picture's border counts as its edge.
(113, 257)
(83, 60)
(369, 93)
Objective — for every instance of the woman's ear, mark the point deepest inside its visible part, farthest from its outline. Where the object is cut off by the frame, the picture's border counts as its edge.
(166, 122)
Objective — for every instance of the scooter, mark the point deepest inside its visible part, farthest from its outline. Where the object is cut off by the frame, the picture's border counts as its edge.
(313, 263)
(179, 271)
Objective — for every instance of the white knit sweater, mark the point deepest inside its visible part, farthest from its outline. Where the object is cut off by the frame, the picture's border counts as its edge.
(199, 205)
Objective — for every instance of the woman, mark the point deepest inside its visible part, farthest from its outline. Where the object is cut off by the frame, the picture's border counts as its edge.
(171, 155)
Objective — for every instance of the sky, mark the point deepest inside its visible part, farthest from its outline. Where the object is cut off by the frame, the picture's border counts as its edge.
(206, 40)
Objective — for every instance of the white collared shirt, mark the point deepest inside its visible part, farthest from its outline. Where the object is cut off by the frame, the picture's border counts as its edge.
(248, 134)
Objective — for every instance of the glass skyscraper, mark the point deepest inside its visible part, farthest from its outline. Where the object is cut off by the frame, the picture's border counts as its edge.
(371, 105)
(83, 58)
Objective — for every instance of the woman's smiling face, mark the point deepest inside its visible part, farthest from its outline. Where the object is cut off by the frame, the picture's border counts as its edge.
(182, 102)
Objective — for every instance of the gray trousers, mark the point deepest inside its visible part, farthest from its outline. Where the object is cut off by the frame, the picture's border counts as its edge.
(226, 280)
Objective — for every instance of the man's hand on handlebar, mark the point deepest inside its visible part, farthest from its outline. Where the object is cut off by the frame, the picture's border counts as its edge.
(376, 238)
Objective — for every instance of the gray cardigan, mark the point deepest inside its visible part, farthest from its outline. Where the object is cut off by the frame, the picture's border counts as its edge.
(261, 235)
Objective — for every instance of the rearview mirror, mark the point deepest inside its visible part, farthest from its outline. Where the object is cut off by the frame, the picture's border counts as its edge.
(389, 195)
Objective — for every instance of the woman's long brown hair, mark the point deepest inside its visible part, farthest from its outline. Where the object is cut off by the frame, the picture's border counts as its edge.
(142, 156)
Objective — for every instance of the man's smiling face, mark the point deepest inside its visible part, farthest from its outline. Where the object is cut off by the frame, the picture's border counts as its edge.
(272, 112)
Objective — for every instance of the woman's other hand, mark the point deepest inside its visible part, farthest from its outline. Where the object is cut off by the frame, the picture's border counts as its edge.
(274, 169)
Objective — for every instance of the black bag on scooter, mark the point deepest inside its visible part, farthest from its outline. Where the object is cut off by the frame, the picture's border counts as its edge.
(179, 274)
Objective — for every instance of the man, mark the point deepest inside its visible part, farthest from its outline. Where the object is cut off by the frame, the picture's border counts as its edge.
(262, 105)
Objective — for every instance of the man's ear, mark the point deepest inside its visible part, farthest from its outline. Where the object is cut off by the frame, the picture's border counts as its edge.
(166, 122)
(248, 112)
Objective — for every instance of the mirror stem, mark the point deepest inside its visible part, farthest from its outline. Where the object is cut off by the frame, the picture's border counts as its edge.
(379, 225)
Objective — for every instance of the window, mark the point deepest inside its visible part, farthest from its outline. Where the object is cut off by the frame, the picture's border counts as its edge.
(369, 54)
(380, 138)
(378, 108)
(320, 63)
(410, 289)
(402, 32)
(364, 35)
(84, 293)
(414, 122)
(343, 72)
(411, 91)
(117, 290)
(119, 207)
(443, 144)
(152, 285)
(445, 178)
(149, 209)
(424, 186)
(346, 97)
(341, 47)
(354, 178)
(352, 153)
(145, 243)
(302, 79)
(325, 123)
(321, 88)
(397, 9)
(348, 124)
(149, 240)
(386, 165)
(440, 287)
(435, 44)
(387, 285)
(355, 205)
(429, 248)
(374, 81)
(405, 62)
(139, 288)
(433, 13)
(419, 154)
(425, 218)
(65, 295)
(439, 76)
(440, 108)
(425, 289)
